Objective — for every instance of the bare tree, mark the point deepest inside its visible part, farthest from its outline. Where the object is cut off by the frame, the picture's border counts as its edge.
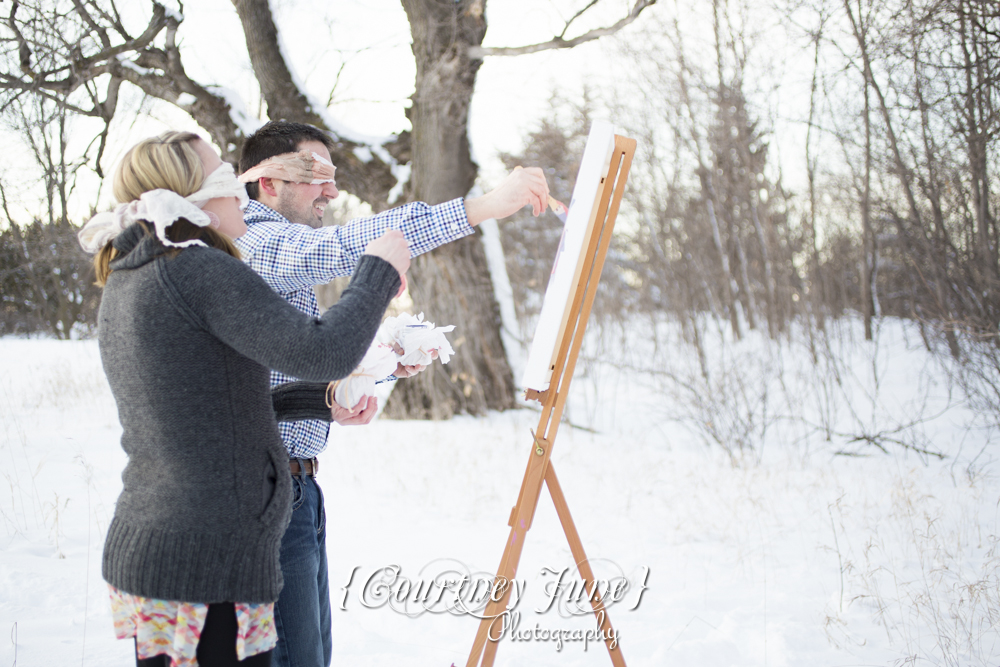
(717, 237)
(945, 58)
(447, 47)
(78, 53)
(46, 280)
(816, 284)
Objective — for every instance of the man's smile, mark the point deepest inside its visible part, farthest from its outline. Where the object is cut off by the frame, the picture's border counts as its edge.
(319, 206)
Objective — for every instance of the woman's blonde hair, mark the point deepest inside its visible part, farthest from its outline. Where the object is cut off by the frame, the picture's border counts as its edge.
(168, 162)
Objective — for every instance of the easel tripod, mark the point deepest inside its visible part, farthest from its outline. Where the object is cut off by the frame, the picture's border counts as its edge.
(553, 400)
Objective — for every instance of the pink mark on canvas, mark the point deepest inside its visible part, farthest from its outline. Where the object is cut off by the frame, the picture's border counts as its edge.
(558, 208)
(559, 252)
(561, 212)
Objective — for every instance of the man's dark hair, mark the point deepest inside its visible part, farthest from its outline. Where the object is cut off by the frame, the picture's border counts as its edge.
(276, 138)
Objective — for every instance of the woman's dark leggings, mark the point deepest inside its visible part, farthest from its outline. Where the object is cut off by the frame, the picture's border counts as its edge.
(217, 646)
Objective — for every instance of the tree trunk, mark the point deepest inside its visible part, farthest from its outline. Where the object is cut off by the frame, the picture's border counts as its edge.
(867, 302)
(728, 285)
(817, 294)
(451, 285)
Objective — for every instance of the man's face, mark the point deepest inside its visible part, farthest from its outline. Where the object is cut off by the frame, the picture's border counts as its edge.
(304, 203)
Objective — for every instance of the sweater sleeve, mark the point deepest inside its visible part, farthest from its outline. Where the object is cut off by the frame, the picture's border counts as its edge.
(299, 401)
(219, 293)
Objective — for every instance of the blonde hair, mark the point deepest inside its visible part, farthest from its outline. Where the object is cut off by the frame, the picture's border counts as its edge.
(168, 162)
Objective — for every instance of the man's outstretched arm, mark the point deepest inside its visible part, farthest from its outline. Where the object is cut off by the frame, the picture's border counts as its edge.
(293, 257)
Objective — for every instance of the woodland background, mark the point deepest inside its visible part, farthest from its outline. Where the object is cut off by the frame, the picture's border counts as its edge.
(799, 162)
(788, 400)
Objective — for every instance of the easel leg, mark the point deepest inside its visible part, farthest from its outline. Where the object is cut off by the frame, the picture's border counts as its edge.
(582, 564)
(520, 522)
(507, 570)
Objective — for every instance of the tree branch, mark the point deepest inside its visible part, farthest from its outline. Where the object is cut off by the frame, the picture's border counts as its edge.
(94, 27)
(158, 72)
(82, 68)
(363, 170)
(47, 94)
(23, 50)
(480, 52)
(210, 110)
(576, 16)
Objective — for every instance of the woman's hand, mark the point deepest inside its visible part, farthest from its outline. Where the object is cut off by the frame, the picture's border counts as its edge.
(393, 248)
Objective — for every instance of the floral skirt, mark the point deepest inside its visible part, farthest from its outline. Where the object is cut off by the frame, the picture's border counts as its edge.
(174, 628)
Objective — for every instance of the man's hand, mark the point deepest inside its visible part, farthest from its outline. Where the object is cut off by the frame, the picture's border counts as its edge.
(363, 412)
(409, 371)
(521, 187)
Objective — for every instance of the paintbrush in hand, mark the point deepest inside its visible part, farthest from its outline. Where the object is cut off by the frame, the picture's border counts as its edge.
(558, 208)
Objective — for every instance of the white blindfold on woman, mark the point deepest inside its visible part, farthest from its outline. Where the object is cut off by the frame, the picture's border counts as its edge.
(162, 208)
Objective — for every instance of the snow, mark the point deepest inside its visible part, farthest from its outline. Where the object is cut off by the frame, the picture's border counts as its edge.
(173, 10)
(788, 554)
(401, 172)
(247, 123)
(128, 64)
(363, 153)
(174, 14)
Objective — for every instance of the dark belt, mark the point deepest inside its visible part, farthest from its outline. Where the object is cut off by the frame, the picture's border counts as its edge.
(308, 466)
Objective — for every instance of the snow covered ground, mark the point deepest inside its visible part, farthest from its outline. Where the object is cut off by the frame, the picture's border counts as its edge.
(787, 554)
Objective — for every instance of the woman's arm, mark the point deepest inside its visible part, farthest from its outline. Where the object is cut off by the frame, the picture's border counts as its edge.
(298, 401)
(224, 296)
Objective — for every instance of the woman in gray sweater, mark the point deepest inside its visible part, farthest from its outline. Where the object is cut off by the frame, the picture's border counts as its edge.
(187, 335)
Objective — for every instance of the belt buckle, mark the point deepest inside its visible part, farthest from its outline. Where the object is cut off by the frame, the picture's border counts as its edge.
(299, 466)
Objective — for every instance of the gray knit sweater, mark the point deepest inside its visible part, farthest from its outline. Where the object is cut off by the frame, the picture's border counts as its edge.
(186, 343)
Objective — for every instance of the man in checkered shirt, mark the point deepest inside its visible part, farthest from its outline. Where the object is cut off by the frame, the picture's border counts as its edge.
(288, 246)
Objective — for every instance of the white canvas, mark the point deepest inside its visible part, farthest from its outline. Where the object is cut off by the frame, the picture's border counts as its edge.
(569, 256)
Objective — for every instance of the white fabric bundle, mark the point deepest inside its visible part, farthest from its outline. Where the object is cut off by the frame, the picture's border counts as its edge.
(162, 208)
(417, 340)
(379, 362)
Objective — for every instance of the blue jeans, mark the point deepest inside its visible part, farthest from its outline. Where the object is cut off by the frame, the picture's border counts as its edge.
(302, 613)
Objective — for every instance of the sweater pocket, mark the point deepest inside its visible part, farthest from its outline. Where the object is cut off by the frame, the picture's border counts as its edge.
(277, 492)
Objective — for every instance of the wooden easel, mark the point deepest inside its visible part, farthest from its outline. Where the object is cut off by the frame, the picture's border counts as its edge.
(553, 400)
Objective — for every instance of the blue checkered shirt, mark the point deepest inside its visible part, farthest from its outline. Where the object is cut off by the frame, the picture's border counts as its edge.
(292, 258)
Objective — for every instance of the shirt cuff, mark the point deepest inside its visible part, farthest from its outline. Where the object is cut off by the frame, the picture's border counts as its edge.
(458, 225)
